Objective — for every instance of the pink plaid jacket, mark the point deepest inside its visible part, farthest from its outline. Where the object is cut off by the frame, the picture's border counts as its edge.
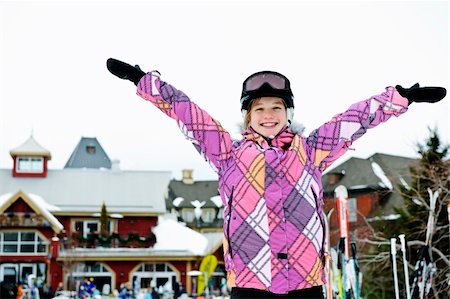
(272, 194)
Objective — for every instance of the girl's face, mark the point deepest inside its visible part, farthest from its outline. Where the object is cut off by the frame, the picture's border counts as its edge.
(268, 116)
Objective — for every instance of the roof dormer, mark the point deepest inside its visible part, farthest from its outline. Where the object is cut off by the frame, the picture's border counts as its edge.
(30, 159)
(88, 154)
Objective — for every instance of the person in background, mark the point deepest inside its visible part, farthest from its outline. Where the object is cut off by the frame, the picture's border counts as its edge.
(154, 292)
(19, 293)
(59, 289)
(148, 293)
(270, 179)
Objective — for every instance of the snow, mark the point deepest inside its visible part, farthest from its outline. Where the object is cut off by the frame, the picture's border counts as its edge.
(42, 203)
(36, 198)
(387, 217)
(44, 207)
(217, 200)
(176, 202)
(356, 187)
(113, 215)
(4, 198)
(417, 201)
(45, 210)
(382, 176)
(171, 235)
(198, 208)
(404, 183)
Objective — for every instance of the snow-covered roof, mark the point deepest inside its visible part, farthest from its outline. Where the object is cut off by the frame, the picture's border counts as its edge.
(215, 240)
(30, 148)
(84, 190)
(384, 217)
(37, 203)
(197, 191)
(217, 200)
(174, 236)
(379, 172)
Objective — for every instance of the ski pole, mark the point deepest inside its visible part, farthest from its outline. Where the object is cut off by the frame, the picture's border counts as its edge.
(355, 267)
(428, 264)
(405, 265)
(418, 271)
(394, 265)
(343, 262)
(448, 212)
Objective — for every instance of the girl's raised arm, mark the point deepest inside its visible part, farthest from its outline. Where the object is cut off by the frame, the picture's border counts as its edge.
(206, 134)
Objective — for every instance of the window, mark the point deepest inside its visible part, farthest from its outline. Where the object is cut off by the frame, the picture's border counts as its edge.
(90, 149)
(27, 242)
(88, 227)
(220, 213)
(352, 210)
(97, 273)
(90, 268)
(154, 275)
(208, 215)
(30, 164)
(18, 272)
(187, 215)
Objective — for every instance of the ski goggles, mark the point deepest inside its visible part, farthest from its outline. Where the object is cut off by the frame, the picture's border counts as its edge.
(275, 80)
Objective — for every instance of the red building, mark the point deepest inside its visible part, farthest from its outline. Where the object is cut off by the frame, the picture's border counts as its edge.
(52, 225)
(154, 231)
(372, 186)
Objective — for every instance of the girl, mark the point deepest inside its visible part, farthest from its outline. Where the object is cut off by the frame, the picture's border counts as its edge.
(270, 180)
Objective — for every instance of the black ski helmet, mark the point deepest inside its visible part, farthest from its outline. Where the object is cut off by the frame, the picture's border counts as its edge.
(266, 84)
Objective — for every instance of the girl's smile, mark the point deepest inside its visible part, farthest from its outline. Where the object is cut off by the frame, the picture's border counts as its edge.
(268, 116)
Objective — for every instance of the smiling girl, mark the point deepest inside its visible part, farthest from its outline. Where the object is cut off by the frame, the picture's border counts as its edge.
(270, 179)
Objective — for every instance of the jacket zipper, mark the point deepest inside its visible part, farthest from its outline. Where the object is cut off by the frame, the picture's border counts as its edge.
(322, 249)
(230, 203)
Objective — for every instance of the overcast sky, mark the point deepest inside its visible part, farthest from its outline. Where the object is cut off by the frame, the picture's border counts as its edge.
(54, 82)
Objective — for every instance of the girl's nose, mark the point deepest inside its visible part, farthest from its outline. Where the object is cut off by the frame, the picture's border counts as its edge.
(268, 114)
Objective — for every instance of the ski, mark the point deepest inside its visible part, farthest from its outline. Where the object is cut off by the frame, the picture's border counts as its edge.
(341, 267)
(356, 270)
(341, 196)
(335, 273)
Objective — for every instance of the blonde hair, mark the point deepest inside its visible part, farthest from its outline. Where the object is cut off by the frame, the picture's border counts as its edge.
(248, 115)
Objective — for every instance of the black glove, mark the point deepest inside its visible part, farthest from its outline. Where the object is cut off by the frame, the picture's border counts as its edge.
(124, 70)
(422, 94)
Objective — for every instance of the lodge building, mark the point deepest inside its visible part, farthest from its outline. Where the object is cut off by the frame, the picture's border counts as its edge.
(155, 231)
(51, 226)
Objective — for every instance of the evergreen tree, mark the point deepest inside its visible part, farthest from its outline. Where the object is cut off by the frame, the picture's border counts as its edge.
(431, 172)
(103, 220)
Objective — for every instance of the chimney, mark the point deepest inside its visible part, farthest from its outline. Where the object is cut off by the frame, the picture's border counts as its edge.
(115, 165)
(187, 176)
(335, 177)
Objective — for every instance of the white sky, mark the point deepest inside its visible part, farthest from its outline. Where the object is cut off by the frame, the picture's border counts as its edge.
(54, 81)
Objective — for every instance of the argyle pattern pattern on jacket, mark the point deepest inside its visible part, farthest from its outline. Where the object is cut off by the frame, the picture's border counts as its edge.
(271, 189)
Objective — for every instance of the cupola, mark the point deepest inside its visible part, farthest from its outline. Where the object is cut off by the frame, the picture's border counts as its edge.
(30, 159)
